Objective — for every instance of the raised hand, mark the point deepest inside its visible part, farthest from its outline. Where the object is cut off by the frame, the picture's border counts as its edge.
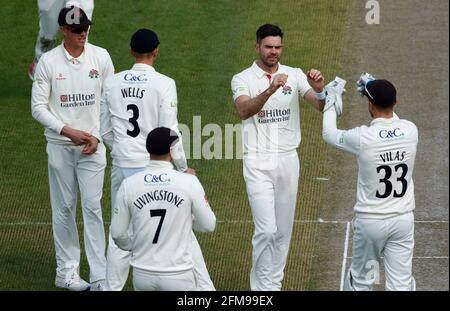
(278, 81)
(316, 80)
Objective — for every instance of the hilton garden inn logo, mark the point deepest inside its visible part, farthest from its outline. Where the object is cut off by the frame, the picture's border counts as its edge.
(76, 100)
(274, 115)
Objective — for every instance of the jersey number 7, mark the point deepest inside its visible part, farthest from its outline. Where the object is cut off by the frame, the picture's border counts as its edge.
(158, 213)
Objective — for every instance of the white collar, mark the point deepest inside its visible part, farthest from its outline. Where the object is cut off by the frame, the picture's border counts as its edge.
(385, 120)
(156, 164)
(261, 73)
(74, 60)
(142, 67)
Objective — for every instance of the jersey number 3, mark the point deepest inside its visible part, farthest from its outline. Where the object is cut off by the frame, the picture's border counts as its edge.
(133, 120)
(388, 185)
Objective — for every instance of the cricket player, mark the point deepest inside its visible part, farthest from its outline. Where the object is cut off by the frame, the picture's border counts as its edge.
(383, 223)
(65, 99)
(134, 102)
(162, 206)
(266, 96)
(48, 25)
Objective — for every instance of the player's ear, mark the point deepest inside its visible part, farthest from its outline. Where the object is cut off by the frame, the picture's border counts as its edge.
(155, 52)
(369, 106)
(257, 46)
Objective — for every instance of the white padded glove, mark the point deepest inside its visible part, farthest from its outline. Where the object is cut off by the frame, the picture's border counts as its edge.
(335, 89)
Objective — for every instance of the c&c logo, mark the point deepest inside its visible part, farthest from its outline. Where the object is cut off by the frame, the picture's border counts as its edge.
(135, 78)
(387, 134)
(154, 179)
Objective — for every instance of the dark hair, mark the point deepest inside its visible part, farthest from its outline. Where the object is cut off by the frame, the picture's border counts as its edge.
(268, 30)
(381, 93)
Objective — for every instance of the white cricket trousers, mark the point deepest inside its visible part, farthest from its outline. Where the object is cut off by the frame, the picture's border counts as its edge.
(152, 281)
(68, 170)
(392, 238)
(118, 260)
(48, 21)
(272, 182)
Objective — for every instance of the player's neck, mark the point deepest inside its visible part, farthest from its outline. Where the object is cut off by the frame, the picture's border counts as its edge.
(74, 51)
(147, 62)
(266, 68)
(383, 114)
(165, 157)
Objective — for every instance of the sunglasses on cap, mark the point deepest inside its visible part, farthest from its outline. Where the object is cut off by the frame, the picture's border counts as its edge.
(367, 91)
(79, 30)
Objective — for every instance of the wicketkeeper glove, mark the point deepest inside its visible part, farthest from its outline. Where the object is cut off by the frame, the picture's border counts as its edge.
(361, 83)
(335, 89)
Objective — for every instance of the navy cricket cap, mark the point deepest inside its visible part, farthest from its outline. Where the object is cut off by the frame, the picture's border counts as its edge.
(144, 41)
(160, 140)
(381, 93)
(73, 16)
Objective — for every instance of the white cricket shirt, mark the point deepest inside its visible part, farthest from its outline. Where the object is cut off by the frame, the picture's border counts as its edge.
(276, 128)
(386, 151)
(135, 102)
(67, 91)
(162, 205)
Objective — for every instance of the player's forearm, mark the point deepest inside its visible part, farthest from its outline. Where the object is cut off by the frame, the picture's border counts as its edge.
(178, 154)
(179, 158)
(204, 222)
(106, 131)
(123, 242)
(203, 219)
(108, 139)
(96, 133)
(329, 129)
(120, 221)
(252, 106)
(40, 112)
(345, 140)
(40, 95)
(311, 98)
(119, 232)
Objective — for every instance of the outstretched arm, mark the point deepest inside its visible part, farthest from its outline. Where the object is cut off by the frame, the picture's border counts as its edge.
(316, 95)
(344, 140)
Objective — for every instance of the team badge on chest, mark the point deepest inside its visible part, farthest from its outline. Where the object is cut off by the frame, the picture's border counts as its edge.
(287, 90)
(93, 74)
